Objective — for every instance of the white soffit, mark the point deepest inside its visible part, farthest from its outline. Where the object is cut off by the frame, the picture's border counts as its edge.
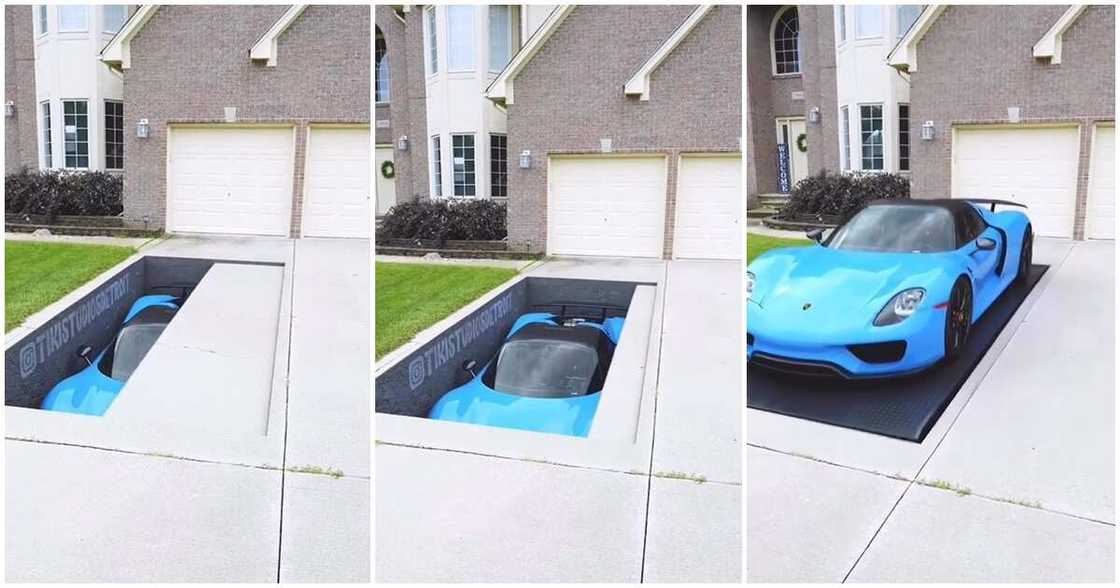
(501, 90)
(117, 53)
(1050, 45)
(265, 48)
(639, 83)
(904, 56)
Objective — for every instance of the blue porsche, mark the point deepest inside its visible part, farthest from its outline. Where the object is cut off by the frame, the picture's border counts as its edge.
(93, 390)
(547, 377)
(893, 290)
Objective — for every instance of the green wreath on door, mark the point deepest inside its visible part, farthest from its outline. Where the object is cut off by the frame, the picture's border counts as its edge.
(802, 143)
(388, 170)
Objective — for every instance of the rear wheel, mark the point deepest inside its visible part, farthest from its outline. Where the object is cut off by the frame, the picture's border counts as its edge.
(1026, 255)
(958, 317)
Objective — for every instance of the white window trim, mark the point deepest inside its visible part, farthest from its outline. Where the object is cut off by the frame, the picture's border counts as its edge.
(898, 137)
(58, 12)
(474, 40)
(381, 102)
(845, 138)
(46, 138)
(105, 21)
(512, 26)
(474, 147)
(431, 42)
(840, 15)
(882, 134)
(436, 177)
(773, 50)
(89, 144)
(105, 134)
(490, 165)
(42, 21)
(879, 7)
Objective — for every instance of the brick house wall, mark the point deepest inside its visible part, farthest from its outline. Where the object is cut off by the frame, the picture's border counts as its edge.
(21, 147)
(569, 96)
(190, 62)
(995, 43)
(406, 110)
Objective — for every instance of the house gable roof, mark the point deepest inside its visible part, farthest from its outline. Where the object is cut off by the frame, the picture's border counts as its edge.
(265, 48)
(501, 89)
(639, 83)
(904, 56)
(116, 53)
(1050, 45)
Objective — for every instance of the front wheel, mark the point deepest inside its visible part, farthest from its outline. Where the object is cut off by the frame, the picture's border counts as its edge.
(1026, 255)
(958, 318)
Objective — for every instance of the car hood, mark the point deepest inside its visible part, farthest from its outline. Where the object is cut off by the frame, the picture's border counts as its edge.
(478, 404)
(833, 282)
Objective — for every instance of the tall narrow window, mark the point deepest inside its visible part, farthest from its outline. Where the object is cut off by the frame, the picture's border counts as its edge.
(841, 23)
(47, 161)
(498, 166)
(381, 74)
(433, 52)
(462, 163)
(869, 21)
(460, 38)
(845, 141)
(501, 37)
(72, 18)
(114, 134)
(113, 17)
(904, 137)
(437, 168)
(75, 120)
(42, 12)
(907, 14)
(871, 136)
(785, 42)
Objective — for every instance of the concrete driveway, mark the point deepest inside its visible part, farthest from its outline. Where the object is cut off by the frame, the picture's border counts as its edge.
(289, 505)
(448, 515)
(1014, 483)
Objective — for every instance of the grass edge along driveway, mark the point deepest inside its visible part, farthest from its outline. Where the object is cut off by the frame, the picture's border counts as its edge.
(411, 297)
(759, 244)
(37, 274)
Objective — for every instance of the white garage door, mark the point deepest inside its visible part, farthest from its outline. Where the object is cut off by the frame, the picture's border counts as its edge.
(1034, 166)
(1100, 218)
(336, 187)
(230, 180)
(607, 206)
(709, 209)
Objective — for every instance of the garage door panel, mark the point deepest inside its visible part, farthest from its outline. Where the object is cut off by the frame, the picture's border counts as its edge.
(1100, 219)
(607, 206)
(337, 184)
(709, 209)
(1034, 166)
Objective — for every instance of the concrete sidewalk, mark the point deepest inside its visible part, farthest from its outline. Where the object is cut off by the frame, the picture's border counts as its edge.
(1014, 483)
(445, 515)
(289, 505)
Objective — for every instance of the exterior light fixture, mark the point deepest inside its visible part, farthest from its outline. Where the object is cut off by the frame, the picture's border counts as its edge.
(815, 115)
(525, 161)
(142, 128)
(927, 130)
(9, 108)
(402, 143)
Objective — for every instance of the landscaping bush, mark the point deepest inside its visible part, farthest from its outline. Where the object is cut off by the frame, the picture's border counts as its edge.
(442, 220)
(839, 195)
(52, 193)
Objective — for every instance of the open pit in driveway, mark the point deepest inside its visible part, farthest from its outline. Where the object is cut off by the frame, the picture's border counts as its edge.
(414, 382)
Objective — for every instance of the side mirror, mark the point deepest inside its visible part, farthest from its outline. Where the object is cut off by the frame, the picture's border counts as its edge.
(469, 367)
(985, 244)
(815, 234)
(84, 352)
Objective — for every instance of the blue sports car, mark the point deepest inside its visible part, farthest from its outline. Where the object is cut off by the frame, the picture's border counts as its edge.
(92, 390)
(893, 290)
(547, 377)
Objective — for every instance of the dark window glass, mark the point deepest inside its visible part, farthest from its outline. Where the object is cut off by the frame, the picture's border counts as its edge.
(871, 136)
(545, 368)
(437, 168)
(381, 75)
(75, 117)
(133, 344)
(114, 135)
(462, 162)
(901, 228)
(787, 59)
(498, 166)
(48, 162)
(904, 137)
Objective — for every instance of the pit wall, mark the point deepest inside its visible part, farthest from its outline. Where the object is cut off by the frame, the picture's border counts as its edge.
(46, 355)
(412, 385)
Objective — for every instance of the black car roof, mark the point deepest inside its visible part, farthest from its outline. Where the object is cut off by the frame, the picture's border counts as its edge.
(589, 335)
(954, 205)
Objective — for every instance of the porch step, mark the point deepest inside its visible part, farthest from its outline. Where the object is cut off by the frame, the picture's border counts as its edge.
(773, 200)
(761, 212)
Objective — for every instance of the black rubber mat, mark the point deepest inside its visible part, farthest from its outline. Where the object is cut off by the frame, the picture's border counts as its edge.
(904, 408)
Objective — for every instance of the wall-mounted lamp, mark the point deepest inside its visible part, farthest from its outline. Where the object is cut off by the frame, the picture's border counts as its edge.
(9, 108)
(525, 161)
(927, 130)
(815, 115)
(142, 128)
(402, 143)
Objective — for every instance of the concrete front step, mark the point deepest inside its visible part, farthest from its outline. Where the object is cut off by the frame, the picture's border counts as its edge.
(773, 199)
(764, 212)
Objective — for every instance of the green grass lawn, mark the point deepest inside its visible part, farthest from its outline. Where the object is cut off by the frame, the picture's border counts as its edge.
(37, 274)
(759, 244)
(411, 297)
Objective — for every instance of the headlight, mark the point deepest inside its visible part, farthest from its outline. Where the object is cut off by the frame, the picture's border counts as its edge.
(750, 285)
(904, 304)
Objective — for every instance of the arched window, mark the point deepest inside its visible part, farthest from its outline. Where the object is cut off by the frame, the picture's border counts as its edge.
(381, 74)
(784, 42)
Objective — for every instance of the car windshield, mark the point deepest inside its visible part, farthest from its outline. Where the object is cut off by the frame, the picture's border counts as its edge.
(132, 345)
(545, 368)
(901, 228)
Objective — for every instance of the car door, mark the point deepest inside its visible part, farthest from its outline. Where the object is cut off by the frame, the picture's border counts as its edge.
(982, 263)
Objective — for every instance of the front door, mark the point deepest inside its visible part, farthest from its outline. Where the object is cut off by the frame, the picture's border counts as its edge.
(386, 187)
(789, 129)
